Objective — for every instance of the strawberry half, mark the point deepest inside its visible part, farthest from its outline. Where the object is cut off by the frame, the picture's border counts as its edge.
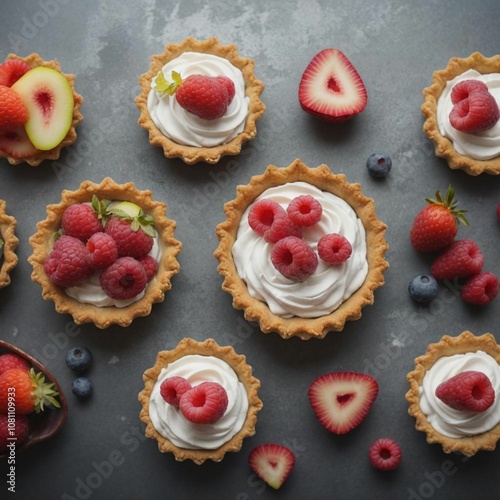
(331, 88)
(342, 400)
(15, 143)
(272, 463)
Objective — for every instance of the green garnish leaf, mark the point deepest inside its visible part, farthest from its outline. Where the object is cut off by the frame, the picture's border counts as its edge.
(163, 86)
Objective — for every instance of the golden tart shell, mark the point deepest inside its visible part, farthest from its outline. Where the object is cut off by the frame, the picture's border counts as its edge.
(237, 362)
(9, 259)
(448, 346)
(443, 147)
(34, 60)
(256, 310)
(192, 154)
(103, 317)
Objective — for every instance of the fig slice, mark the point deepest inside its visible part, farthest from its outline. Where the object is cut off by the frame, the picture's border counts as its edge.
(48, 97)
(47, 423)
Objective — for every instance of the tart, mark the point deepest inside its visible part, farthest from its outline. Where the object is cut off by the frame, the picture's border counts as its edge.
(454, 430)
(199, 140)
(192, 355)
(36, 156)
(477, 153)
(314, 307)
(106, 314)
(8, 244)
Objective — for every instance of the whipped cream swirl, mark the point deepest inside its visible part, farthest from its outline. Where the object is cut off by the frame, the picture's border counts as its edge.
(455, 423)
(169, 421)
(482, 145)
(329, 286)
(186, 128)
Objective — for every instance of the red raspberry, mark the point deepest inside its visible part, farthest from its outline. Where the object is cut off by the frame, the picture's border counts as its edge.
(150, 265)
(102, 250)
(461, 259)
(478, 112)
(14, 113)
(80, 221)
(282, 227)
(20, 430)
(9, 360)
(304, 210)
(294, 258)
(203, 96)
(130, 242)
(334, 248)
(498, 211)
(481, 289)
(467, 391)
(385, 454)
(11, 71)
(68, 263)
(462, 89)
(205, 403)
(172, 389)
(262, 214)
(228, 83)
(124, 279)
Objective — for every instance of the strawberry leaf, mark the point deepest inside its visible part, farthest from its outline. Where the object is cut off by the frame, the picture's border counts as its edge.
(43, 392)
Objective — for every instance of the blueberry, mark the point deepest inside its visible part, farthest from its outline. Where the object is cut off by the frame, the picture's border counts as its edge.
(82, 387)
(78, 358)
(423, 288)
(379, 164)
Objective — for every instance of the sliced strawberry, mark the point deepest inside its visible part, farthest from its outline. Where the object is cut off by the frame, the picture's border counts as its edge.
(272, 463)
(15, 143)
(331, 88)
(11, 71)
(342, 400)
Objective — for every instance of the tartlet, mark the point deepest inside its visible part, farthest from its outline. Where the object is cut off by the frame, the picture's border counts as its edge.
(444, 147)
(253, 89)
(464, 343)
(9, 258)
(34, 60)
(237, 362)
(43, 240)
(257, 310)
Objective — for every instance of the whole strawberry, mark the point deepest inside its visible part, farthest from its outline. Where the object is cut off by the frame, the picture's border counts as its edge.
(436, 225)
(13, 112)
(205, 96)
(31, 391)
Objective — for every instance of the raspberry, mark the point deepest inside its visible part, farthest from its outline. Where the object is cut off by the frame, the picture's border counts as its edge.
(282, 227)
(334, 248)
(228, 83)
(385, 454)
(68, 264)
(294, 258)
(204, 96)
(205, 403)
(124, 279)
(150, 265)
(262, 214)
(9, 360)
(20, 430)
(467, 391)
(462, 89)
(102, 250)
(11, 71)
(172, 389)
(80, 221)
(461, 259)
(304, 210)
(14, 113)
(476, 113)
(481, 289)
(130, 242)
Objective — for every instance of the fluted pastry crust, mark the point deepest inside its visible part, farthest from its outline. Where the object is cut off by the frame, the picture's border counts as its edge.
(10, 259)
(192, 154)
(324, 179)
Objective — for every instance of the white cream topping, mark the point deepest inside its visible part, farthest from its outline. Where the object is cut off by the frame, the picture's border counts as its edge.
(168, 419)
(455, 423)
(186, 128)
(482, 145)
(329, 286)
(90, 291)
